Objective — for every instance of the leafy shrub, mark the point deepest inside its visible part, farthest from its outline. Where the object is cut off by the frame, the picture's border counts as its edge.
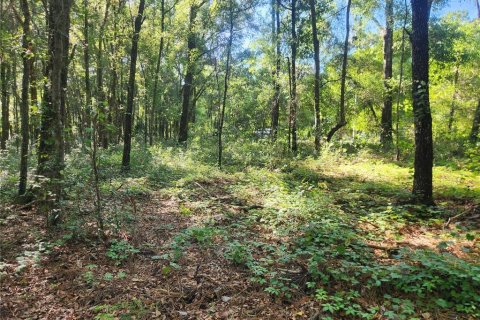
(120, 250)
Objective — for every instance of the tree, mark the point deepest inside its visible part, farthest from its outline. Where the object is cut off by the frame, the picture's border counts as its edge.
(24, 107)
(51, 147)
(127, 138)
(400, 83)
(157, 68)
(316, 49)
(188, 81)
(293, 75)
(276, 77)
(422, 179)
(386, 124)
(225, 88)
(342, 120)
(86, 62)
(475, 125)
(4, 100)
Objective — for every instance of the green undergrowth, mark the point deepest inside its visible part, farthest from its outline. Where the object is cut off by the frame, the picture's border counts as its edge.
(302, 234)
(297, 226)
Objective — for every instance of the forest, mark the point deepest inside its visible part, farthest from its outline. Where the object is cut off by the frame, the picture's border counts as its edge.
(240, 159)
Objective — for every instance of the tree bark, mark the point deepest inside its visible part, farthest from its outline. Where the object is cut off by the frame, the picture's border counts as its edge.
(476, 125)
(86, 62)
(293, 110)
(5, 109)
(386, 137)
(276, 79)
(342, 120)
(316, 49)
(24, 107)
(101, 98)
(225, 88)
(400, 84)
(127, 138)
(188, 81)
(157, 68)
(51, 148)
(422, 179)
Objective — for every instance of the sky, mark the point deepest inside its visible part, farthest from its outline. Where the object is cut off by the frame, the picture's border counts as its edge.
(455, 5)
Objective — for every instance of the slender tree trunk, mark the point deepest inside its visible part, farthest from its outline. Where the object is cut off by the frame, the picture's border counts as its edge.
(5, 109)
(27, 57)
(289, 67)
(159, 62)
(225, 88)
(127, 139)
(400, 85)
(342, 121)
(476, 125)
(101, 98)
(316, 49)
(12, 74)
(276, 79)
(86, 62)
(476, 119)
(386, 124)
(422, 179)
(454, 98)
(51, 148)
(34, 99)
(293, 111)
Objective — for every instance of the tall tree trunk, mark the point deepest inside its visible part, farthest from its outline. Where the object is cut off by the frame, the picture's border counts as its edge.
(5, 109)
(24, 107)
(476, 125)
(225, 88)
(187, 87)
(157, 68)
(316, 49)
(86, 62)
(101, 98)
(400, 84)
(422, 179)
(127, 138)
(342, 120)
(34, 132)
(386, 137)
(289, 68)
(293, 110)
(454, 98)
(276, 79)
(51, 148)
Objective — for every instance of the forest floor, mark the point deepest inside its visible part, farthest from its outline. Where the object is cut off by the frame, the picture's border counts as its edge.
(310, 239)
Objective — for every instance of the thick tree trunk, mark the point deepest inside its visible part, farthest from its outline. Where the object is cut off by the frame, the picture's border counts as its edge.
(225, 88)
(127, 138)
(187, 86)
(293, 110)
(51, 148)
(24, 107)
(342, 120)
(476, 125)
(422, 179)
(5, 109)
(316, 49)
(386, 138)
(276, 79)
